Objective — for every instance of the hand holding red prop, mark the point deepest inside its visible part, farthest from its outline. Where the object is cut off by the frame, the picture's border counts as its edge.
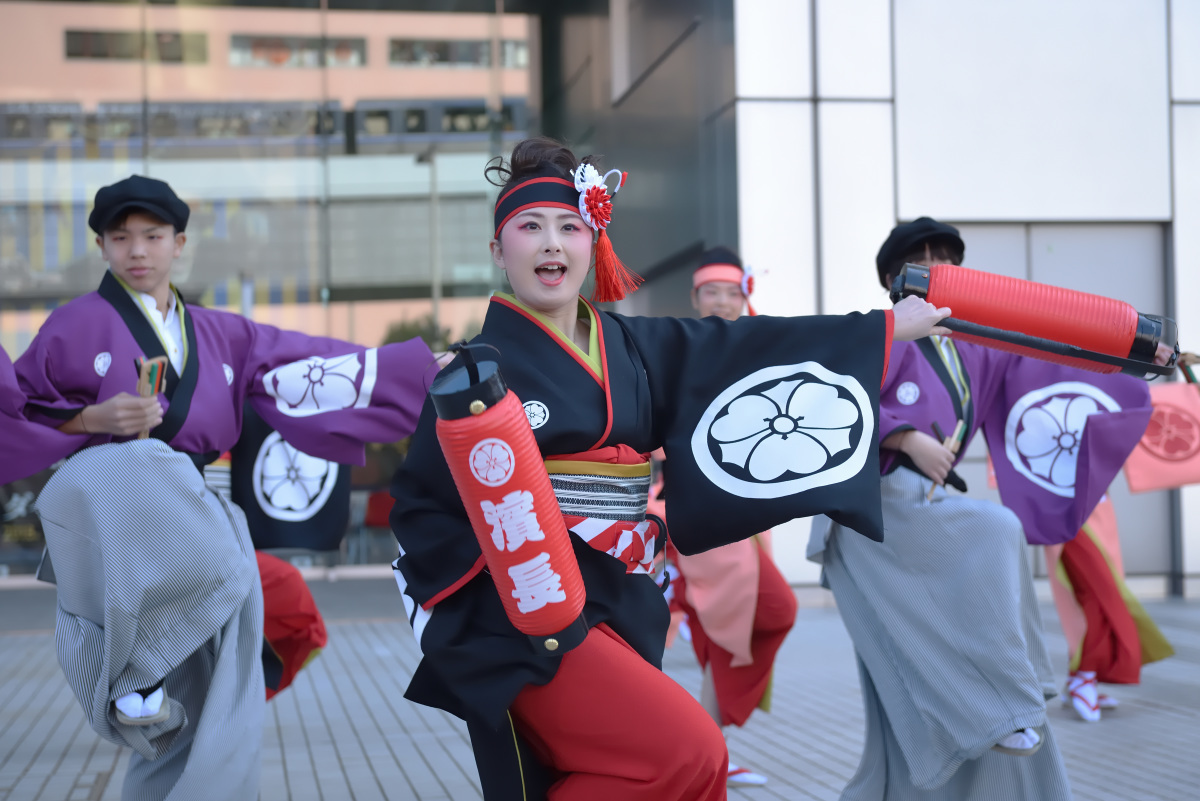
(498, 470)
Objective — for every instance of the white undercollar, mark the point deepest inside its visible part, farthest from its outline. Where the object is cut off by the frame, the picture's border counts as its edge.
(152, 305)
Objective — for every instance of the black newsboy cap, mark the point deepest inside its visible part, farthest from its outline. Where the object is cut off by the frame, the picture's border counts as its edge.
(909, 236)
(138, 192)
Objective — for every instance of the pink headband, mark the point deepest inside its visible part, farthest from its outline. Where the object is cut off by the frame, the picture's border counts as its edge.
(729, 273)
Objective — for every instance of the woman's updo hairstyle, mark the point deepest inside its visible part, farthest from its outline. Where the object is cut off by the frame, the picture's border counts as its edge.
(534, 157)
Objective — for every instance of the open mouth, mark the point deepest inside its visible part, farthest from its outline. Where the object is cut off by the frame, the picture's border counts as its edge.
(551, 274)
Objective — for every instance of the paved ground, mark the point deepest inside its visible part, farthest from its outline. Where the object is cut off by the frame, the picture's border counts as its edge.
(344, 732)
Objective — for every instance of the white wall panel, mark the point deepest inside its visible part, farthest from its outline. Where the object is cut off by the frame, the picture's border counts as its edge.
(775, 204)
(996, 249)
(789, 542)
(1191, 529)
(1185, 49)
(858, 206)
(773, 54)
(1187, 284)
(854, 48)
(1027, 110)
(1119, 261)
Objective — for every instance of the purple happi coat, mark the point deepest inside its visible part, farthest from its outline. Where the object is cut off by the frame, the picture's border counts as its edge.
(324, 396)
(1057, 435)
(28, 447)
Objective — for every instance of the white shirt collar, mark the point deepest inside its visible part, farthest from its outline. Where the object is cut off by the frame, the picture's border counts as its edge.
(170, 328)
(152, 306)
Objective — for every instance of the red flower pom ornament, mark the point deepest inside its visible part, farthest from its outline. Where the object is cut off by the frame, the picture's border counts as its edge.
(613, 279)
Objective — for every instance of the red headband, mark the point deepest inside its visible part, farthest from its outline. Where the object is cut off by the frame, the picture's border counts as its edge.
(586, 195)
(729, 273)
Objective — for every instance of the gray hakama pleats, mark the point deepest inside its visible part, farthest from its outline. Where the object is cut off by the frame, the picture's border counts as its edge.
(946, 626)
(157, 581)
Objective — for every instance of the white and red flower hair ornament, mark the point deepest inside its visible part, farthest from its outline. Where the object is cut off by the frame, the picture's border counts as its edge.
(613, 279)
(747, 288)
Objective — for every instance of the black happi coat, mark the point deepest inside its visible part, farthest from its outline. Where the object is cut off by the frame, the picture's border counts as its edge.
(260, 464)
(705, 390)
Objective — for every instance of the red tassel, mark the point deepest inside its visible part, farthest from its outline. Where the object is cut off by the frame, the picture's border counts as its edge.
(749, 292)
(613, 279)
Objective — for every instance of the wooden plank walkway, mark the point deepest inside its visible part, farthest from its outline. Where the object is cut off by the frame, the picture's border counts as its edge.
(344, 731)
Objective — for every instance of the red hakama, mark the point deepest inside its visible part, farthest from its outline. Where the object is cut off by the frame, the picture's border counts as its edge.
(292, 626)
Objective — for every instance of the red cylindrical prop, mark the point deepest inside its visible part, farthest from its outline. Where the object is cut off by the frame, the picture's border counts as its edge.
(1040, 310)
(1091, 322)
(500, 475)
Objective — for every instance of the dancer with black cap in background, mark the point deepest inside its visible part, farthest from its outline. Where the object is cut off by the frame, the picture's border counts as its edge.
(943, 614)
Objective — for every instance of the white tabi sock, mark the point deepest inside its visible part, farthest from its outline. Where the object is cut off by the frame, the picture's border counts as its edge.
(1084, 695)
(135, 705)
(153, 703)
(744, 776)
(131, 705)
(1021, 740)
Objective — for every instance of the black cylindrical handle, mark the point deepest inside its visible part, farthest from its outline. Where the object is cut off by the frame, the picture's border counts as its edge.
(456, 395)
(912, 280)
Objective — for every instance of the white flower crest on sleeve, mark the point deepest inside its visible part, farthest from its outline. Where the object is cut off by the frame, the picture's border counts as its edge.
(795, 426)
(595, 204)
(1044, 432)
(785, 429)
(291, 485)
(1052, 436)
(323, 384)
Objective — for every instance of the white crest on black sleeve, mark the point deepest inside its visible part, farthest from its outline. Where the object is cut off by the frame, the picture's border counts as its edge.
(783, 430)
(291, 485)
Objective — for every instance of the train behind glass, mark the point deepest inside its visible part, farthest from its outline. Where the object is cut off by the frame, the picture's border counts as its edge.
(253, 129)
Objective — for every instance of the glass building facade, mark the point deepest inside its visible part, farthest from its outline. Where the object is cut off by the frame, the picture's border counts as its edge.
(332, 158)
(315, 145)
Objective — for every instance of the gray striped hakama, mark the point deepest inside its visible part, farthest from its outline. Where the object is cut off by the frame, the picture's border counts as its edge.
(946, 627)
(157, 580)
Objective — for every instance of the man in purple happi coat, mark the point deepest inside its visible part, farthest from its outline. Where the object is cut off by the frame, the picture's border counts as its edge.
(326, 397)
(160, 621)
(942, 613)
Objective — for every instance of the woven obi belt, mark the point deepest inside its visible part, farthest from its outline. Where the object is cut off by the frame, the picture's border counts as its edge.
(604, 503)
